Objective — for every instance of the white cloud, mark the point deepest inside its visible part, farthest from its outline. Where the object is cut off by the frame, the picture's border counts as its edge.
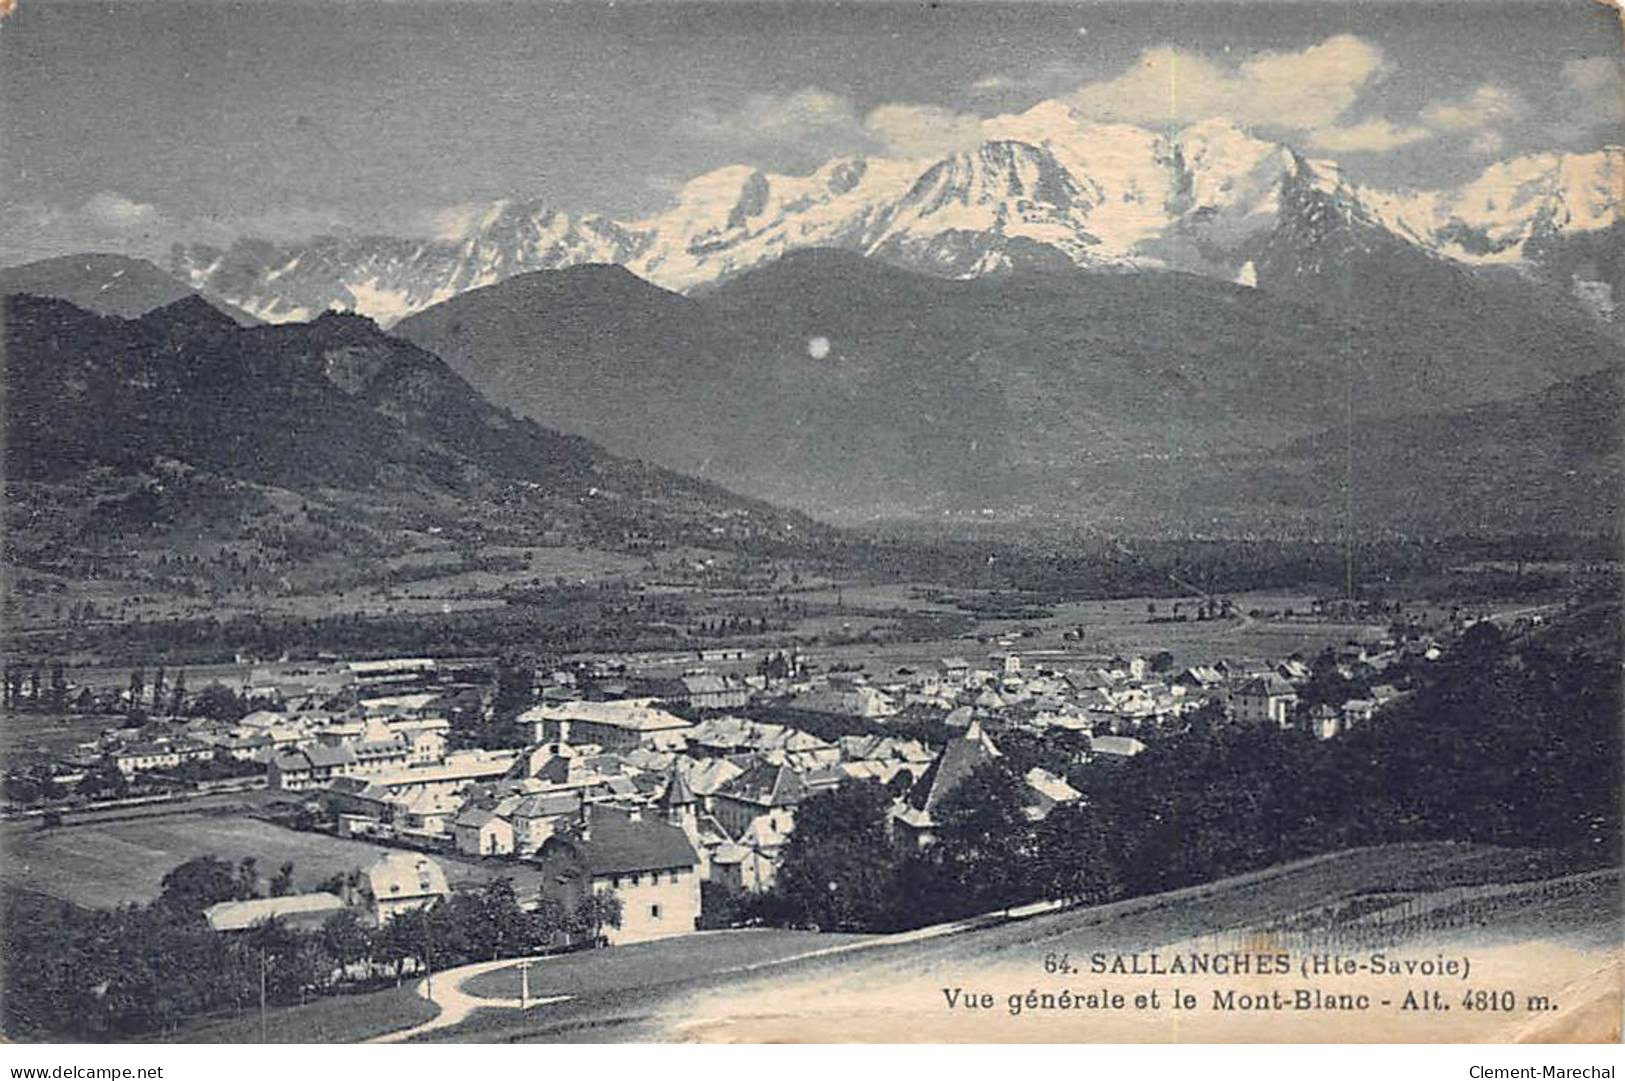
(812, 117)
(1484, 107)
(1373, 136)
(119, 212)
(914, 130)
(1308, 91)
(664, 183)
(1299, 91)
(1048, 79)
(1593, 97)
(1308, 96)
(110, 221)
(1601, 75)
(279, 223)
(782, 118)
(457, 222)
(105, 222)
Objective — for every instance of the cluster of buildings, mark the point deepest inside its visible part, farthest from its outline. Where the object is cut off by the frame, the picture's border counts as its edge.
(617, 789)
(309, 725)
(1113, 700)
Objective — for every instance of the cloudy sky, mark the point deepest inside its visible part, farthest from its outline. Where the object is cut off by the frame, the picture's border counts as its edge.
(128, 125)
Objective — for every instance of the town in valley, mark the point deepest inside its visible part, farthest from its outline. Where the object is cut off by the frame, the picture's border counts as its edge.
(885, 525)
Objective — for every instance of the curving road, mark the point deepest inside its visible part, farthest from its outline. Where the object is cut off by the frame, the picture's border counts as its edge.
(445, 990)
(456, 1005)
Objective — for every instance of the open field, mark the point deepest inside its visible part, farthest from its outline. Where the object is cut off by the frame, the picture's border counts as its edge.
(1117, 627)
(426, 578)
(1121, 627)
(29, 737)
(109, 863)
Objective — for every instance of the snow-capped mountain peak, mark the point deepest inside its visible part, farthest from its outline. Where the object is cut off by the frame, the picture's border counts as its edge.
(1043, 184)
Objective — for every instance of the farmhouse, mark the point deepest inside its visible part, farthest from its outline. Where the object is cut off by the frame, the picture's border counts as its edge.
(424, 812)
(536, 818)
(760, 848)
(1051, 788)
(161, 754)
(374, 756)
(457, 772)
(425, 738)
(1322, 721)
(706, 777)
(399, 705)
(1200, 677)
(701, 691)
(1113, 749)
(403, 881)
(237, 747)
(311, 767)
(846, 697)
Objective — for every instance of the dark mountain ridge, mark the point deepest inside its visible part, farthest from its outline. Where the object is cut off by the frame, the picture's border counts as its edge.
(850, 388)
(108, 284)
(1549, 462)
(334, 411)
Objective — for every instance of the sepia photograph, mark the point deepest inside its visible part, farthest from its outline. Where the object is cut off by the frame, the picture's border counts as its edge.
(832, 522)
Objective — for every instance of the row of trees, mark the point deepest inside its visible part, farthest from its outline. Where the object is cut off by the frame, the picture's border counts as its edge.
(1507, 741)
(164, 696)
(29, 687)
(44, 687)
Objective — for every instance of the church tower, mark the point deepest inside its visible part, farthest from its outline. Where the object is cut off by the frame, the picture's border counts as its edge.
(680, 806)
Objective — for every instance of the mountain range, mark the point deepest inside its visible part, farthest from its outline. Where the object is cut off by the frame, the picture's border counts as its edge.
(1098, 324)
(1044, 189)
(850, 388)
(326, 438)
(1143, 403)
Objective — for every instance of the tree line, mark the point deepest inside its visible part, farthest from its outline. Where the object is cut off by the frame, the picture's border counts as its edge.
(146, 970)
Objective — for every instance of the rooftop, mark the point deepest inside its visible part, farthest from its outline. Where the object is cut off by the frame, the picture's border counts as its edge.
(633, 714)
(622, 841)
(406, 874)
(958, 760)
(241, 915)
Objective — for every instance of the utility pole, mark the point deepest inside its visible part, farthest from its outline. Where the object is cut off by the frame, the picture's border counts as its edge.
(263, 1038)
(428, 958)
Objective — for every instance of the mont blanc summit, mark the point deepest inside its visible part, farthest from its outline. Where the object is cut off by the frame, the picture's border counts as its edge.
(1042, 187)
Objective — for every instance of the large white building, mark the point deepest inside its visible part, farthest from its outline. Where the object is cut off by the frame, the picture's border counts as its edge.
(636, 853)
(1264, 700)
(618, 725)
